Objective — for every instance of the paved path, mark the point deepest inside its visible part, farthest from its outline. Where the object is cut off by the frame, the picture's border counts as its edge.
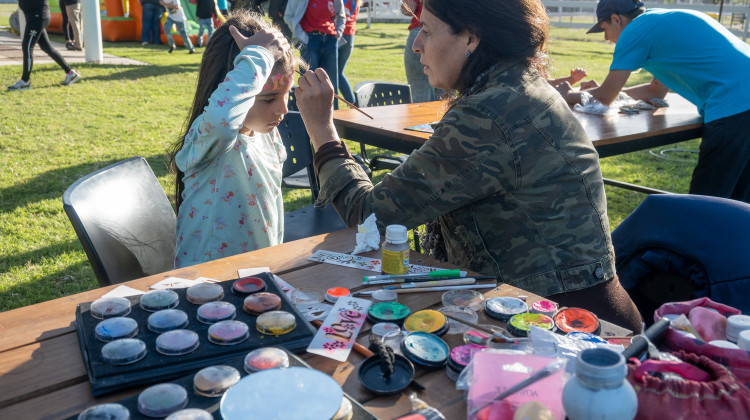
(11, 54)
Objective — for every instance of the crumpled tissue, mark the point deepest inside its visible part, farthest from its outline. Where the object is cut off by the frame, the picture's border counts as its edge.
(368, 236)
(623, 104)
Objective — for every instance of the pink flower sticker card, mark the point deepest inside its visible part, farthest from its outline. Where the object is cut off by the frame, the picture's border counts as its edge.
(338, 333)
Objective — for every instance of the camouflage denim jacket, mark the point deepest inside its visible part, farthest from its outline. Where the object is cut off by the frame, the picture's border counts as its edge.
(514, 180)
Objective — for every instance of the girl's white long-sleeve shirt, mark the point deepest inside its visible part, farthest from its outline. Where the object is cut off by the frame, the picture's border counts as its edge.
(232, 201)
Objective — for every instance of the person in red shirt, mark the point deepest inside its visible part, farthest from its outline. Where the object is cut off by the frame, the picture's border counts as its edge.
(345, 46)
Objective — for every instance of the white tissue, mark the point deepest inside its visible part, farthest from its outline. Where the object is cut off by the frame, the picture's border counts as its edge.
(591, 105)
(368, 236)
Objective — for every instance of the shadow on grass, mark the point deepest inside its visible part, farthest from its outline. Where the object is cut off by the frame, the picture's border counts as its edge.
(136, 72)
(52, 184)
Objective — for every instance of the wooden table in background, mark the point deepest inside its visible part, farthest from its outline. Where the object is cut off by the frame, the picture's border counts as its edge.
(611, 134)
(42, 374)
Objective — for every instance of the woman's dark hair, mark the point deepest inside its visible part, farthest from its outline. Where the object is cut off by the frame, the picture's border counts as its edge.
(507, 30)
(218, 60)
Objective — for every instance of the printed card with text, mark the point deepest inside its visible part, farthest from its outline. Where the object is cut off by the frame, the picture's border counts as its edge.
(338, 333)
(363, 263)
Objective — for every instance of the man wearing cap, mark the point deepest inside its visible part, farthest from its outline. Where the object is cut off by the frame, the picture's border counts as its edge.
(695, 56)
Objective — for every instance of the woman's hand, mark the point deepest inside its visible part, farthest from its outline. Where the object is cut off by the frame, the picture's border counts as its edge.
(314, 95)
(272, 40)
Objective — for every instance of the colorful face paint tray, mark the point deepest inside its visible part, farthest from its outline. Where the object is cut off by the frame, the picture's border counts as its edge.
(577, 319)
(175, 358)
(388, 312)
(206, 387)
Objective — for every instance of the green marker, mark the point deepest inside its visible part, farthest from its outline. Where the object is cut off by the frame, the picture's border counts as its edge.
(432, 274)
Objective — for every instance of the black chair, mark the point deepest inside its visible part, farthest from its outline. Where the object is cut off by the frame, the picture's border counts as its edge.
(676, 247)
(373, 93)
(124, 221)
(307, 221)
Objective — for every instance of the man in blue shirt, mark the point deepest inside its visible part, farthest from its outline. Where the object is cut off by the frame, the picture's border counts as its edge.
(699, 59)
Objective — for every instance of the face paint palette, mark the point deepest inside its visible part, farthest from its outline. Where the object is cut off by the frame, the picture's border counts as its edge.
(577, 319)
(426, 350)
(248, 285)
(206, 387)
(428, 321)
(388, 312)
(503, 308)
(520, 324)
(157, 300)
(177, 353)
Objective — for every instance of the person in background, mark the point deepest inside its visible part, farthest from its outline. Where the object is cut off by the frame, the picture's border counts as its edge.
(204, 11)
(345, 47)
(699, 59)
(509, 182)
(73, 10)
(150, 21)
(276, 10)
(176, 16)
(36, 13)
(66, 29)
(229, 160)
(318, 26)
(223, 8)
(576, 75)
(421, 91)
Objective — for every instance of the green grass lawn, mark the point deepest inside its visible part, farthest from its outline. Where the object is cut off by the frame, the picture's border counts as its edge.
(52, 135)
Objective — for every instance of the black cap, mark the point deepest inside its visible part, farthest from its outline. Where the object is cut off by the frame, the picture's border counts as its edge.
(606, 8)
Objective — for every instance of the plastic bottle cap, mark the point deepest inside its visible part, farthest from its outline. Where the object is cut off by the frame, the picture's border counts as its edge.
(395, 234)
(735, 325)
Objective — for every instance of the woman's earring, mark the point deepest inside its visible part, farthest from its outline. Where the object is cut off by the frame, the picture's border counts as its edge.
(468, 53)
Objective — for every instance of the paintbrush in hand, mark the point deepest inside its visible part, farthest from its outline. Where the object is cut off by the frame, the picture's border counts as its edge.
(351, 105)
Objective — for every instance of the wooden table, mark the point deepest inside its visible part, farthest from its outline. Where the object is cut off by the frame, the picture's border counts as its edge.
(42, 374)
(611, 134)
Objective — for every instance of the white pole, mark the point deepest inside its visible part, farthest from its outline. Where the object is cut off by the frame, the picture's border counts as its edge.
(92, 31)
(21, 22)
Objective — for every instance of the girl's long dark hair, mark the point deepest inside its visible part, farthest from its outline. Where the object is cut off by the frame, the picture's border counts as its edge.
(507, 30)
(218, 60)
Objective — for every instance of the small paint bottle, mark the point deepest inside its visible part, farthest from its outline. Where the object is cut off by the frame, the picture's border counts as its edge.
(395, 253)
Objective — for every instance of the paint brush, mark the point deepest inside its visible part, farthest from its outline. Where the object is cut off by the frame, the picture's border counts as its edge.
(424, 280)
(351, 105)
(434, 283)
(436, 289)
(442, 274)
(487, 330)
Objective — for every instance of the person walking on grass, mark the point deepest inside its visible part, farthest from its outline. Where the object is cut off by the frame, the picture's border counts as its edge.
(699, 59)
(176, 16)
(37, 17)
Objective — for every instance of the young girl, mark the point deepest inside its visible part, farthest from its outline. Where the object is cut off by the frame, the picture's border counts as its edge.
(229, 161)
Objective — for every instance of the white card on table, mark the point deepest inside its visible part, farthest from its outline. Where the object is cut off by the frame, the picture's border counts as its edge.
(363, 263)
(123, 291)
(173, 283)
(338, 333)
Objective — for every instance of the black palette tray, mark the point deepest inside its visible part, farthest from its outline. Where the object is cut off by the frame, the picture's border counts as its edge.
(211, 404)
(155, 367)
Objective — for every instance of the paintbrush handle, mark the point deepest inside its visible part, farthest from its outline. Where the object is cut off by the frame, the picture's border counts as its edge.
(433, 283)
(351, 105)
(444, 288)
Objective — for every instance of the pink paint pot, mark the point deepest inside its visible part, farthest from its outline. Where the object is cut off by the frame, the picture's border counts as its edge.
(545, 307)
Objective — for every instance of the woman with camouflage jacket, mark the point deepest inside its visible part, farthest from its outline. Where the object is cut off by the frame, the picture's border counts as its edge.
(509, 172)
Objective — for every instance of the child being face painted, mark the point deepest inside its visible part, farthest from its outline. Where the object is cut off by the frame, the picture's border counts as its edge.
(270, 105)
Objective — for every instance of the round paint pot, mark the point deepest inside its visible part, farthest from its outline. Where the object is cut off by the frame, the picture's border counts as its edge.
(213, 381)
(735, 325)
(313, 311)
(520, 324)
(115, 328)
(381, 329)
(545, 307)
(109, 307)
(156, 300)
(292, 393)
(213, 312)
(372, 375)
(261, 302)
(452, 372)
(577, 319)
(204, 292)
(124, 351)
(504, 307)
(162, 400)
(425, 349)
(111, 411)
(248, 285)
(266, 358)
(384, 295)
(724, 344)
(464, 298)
(461, 356)
(388, 312)
(276, 323)
(474, 336)
(177, 342)
(428, 321)
(743, 340)
(591, 338)
(460, 312)
(334, 293)
(228, 333)
(167, 320)
(346, 411)
(308, 296)
(191, 414)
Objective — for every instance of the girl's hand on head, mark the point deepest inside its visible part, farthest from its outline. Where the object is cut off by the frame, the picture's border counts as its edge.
(272, 40)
